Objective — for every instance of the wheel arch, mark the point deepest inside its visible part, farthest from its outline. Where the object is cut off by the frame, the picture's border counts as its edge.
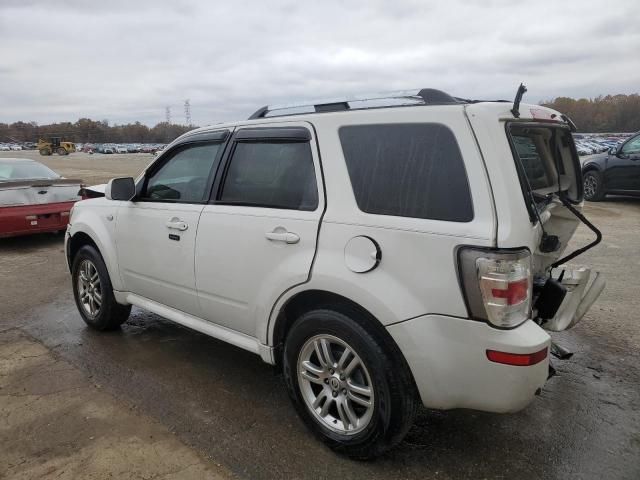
(591, 167)
(82, 233)
(314, 299)
(76, 242)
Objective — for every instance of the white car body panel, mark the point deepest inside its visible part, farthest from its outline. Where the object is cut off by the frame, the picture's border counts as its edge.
(152, 265)
(225, 279)
(448, 359)
(95, 218)
(239, 272)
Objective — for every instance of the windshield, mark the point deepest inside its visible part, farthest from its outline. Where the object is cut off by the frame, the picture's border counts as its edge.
(546, 161)
(25, 171)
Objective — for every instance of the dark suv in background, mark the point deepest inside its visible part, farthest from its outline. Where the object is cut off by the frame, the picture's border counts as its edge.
(616, 172)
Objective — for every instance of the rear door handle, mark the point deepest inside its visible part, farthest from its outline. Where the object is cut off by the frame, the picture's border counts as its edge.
(281, 235)
(177, 224)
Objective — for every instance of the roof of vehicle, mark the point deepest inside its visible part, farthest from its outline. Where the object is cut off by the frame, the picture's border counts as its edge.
(394, 101)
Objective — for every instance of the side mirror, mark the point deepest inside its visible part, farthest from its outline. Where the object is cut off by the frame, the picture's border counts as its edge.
(120, 189)
(613, 151)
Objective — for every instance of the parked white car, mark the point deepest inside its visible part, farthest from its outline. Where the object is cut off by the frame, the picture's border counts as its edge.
(380, 257)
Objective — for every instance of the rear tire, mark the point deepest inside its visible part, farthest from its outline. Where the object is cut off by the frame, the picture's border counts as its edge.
(62, 151)
(593, 186)
(93, 292)
(360, 411)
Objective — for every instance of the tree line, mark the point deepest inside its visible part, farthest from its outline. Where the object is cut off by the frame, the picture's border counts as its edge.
(86, 130)
(611, 113)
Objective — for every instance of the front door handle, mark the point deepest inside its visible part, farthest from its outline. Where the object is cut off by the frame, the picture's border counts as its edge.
(177, 224)
(281, 235)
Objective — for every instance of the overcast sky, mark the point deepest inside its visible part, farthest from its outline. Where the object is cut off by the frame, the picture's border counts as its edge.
(126, 60)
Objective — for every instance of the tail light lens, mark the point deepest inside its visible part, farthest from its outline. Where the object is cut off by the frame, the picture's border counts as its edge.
(497, 285)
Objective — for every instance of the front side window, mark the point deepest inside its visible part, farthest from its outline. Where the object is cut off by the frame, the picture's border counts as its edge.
(632, 147)
(185, 176)
(407, 170)
(271, 174)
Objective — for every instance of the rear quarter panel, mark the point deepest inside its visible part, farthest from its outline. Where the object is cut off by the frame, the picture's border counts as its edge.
(417, 273)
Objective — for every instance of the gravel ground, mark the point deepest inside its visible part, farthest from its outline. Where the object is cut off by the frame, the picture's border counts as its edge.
(222, 404)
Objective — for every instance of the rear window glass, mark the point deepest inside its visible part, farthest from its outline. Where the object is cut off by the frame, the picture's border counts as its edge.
(25, 171)
(407, 170)
(532, 163)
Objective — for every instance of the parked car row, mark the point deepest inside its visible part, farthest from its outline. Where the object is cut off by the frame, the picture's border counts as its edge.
(589, 144)
(16, 147)
(110, 148)
(8, 147)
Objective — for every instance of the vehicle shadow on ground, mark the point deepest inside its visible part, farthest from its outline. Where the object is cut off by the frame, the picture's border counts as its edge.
(228, 404)
(30, 243)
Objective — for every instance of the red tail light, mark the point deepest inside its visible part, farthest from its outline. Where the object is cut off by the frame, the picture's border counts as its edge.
(497, 285)
(514, 293)
(517, 359)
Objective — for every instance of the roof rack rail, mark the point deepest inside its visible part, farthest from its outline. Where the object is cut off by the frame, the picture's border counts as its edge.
(425, 96)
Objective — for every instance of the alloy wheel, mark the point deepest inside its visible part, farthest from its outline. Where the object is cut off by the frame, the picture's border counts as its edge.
(89, 288)
(335, 384)
(590, 186)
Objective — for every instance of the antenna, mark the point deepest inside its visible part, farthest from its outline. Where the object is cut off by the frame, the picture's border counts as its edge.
(516, 102)
(167, 114)
(187, 112)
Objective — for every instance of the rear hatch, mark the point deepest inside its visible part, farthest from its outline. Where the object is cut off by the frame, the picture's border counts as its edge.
(551, 181)
(548, 166)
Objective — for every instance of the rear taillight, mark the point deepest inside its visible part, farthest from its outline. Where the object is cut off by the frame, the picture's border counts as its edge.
(497, 285)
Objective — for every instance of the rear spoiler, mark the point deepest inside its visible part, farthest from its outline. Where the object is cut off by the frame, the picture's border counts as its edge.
(40, 183)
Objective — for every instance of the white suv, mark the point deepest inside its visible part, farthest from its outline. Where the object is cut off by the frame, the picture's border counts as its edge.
(382, 252)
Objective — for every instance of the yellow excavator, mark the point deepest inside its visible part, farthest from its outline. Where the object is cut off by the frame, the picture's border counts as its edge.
(47, 147)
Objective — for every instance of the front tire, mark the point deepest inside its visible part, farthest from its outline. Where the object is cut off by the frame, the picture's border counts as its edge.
(348, 385)
(93, 292)
(593, 186)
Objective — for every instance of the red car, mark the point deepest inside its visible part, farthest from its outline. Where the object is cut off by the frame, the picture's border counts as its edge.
(34, 198)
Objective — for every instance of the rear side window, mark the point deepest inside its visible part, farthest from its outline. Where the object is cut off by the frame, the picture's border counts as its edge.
(407, 170)
(273, 175)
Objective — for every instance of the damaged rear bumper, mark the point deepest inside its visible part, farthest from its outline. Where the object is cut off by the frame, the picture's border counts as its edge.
(583, 287)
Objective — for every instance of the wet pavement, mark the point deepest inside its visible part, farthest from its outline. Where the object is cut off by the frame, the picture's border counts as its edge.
(229, 406)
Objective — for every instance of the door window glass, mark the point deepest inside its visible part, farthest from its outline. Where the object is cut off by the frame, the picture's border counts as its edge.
(632, 147)
(185, 177)
(273, 175)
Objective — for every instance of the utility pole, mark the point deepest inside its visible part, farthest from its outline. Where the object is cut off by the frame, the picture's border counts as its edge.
(187, 112)
(167, 114)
